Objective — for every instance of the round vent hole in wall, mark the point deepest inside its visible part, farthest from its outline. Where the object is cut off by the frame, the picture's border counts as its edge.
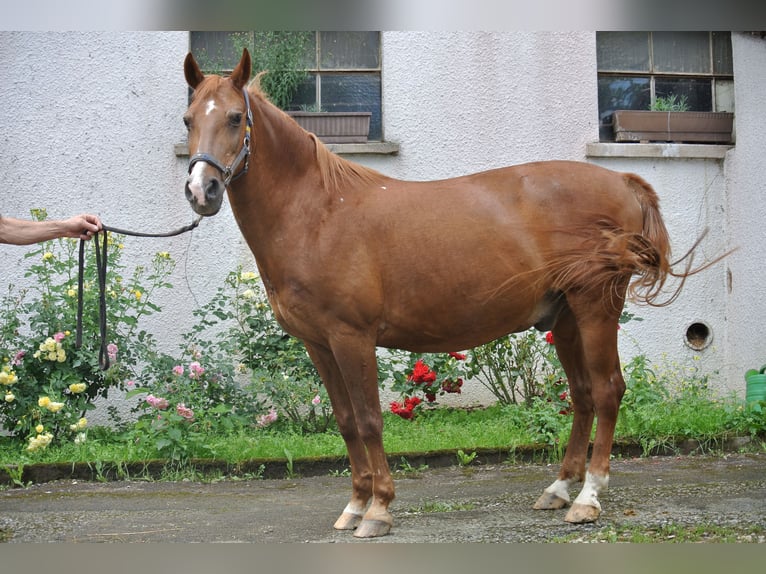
(698, 336)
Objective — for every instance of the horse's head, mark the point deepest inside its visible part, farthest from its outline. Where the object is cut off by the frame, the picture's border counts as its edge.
(219, 122)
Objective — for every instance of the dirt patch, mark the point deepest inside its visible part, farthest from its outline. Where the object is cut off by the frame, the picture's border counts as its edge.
(487, 503)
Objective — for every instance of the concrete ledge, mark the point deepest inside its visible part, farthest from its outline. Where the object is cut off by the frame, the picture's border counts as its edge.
(657, 150)
(379, 148)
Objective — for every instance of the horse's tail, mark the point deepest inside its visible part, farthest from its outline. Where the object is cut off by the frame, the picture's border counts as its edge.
(651, 248)
(652, 251)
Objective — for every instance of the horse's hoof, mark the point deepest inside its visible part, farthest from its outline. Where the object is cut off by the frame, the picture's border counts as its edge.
(582, 513)
(347, 521)
(550, 501)
(372, 529)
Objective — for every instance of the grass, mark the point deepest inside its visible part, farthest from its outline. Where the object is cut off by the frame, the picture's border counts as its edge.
(649, 423)
(671, 533)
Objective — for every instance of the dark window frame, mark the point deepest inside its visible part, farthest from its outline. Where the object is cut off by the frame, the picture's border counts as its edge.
(642, 85)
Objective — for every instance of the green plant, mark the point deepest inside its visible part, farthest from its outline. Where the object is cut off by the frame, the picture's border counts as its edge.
(670, 103)
(518, 367)
(186, 403)
(16, 474)
(280, 367)
(49, 384)
(464, 459)
(282, 54)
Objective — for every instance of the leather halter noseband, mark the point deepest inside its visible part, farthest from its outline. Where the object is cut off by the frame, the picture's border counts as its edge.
(244, 153)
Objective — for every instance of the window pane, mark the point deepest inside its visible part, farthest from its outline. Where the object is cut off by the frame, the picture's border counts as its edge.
(681, 52)
(354, 93)
(722, 63)
(349, 50)
(699, 93)
(623, 51)
(724, 96)
(622, 93)
(218, 51)
(305, 97)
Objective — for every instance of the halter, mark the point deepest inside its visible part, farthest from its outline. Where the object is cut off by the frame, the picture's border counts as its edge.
(244, 153)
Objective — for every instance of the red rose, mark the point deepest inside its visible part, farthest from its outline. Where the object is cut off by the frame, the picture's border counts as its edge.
(421, 373)
(549, 337)
(458, 356)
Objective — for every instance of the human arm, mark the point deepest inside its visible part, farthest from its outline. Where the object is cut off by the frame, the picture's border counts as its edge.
(25, 232)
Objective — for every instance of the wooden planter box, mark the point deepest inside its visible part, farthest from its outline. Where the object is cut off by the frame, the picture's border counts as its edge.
(335, 127)
(695, 127)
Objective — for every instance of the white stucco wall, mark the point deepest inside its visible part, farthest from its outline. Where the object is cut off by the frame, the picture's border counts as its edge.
(745, 174)
(89, 122)
(90, 119)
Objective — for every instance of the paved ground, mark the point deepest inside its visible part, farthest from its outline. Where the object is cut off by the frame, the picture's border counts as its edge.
(488, 503)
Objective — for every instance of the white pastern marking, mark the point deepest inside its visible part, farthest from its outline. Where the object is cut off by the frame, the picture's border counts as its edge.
(210, 107)
(560, 488)
(593, 486)
(352, 509)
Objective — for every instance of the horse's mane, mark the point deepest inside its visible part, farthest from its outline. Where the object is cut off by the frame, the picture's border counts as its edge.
(335, 171)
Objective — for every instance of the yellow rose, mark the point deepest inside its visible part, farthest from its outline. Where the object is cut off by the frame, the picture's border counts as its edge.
(39, 429)
(4, 378)
(54, 407)
(47, 256)
(247, 276)
(71, 293)
(61, 355)
(138, 294)
(43, 402)
(82, 423)
(76, 388)
(9, 397)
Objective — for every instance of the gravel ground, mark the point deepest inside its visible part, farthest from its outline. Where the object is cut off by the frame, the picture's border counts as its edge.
(481, 503)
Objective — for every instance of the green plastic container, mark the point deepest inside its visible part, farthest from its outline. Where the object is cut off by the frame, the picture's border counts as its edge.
(756, 388)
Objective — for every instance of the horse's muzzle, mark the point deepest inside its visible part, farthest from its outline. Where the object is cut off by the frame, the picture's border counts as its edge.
(205, 199)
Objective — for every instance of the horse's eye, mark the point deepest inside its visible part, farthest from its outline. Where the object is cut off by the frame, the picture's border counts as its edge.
(235, 119)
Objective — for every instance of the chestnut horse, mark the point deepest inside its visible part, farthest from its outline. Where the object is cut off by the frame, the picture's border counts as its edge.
(352, 259)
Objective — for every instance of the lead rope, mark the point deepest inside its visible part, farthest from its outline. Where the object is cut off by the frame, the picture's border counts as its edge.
(101, 263)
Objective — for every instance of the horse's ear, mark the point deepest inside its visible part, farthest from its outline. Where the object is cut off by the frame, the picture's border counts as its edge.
(194, 75)
(241, 73)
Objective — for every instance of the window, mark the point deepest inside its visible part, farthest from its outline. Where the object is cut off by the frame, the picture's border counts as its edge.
(343, 68)
(636, 68)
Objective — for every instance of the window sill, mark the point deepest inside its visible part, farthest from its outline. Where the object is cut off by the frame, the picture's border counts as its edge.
(378, 148)
(657, 150)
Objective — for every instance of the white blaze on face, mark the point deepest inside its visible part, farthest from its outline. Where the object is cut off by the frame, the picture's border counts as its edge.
(196, 179)
(209, 107)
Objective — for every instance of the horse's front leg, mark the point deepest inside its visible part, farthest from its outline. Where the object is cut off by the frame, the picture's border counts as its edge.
(355, 356)
(361, 473)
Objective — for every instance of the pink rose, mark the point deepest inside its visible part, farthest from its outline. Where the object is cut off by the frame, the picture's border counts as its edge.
(58, 337)
(195, 369)
(111, 350)
(17, 358)
(178, 370)
(157, 402)
(184, 411)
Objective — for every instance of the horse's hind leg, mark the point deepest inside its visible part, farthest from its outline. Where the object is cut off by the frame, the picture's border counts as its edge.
(361, 473)
(566, 337)
(586, 340)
